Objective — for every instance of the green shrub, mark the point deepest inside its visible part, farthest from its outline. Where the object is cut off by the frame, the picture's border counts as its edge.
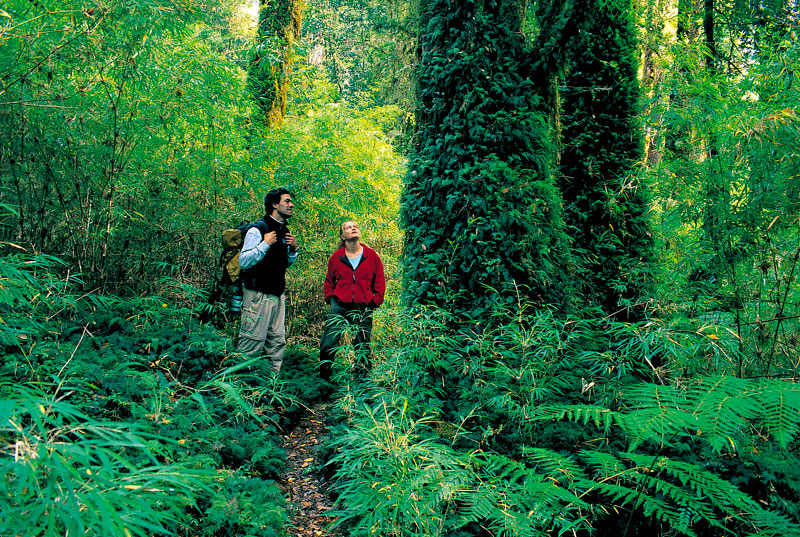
(244, 506)
(395, 478)
(153, 398)
(66, 473)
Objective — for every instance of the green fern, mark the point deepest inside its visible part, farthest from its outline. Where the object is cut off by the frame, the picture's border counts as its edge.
(721, 413)
(661, 451)
(599, 416)
(511, 498)
(550, 491)
(664, 488)
(720, 410)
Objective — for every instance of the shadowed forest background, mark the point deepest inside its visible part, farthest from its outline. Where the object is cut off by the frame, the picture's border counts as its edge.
(589, 213)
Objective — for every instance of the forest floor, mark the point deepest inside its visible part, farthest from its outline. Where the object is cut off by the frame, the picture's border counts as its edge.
(306, 488)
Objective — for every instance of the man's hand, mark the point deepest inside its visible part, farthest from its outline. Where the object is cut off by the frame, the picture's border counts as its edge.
(271, 238)
(291, 241)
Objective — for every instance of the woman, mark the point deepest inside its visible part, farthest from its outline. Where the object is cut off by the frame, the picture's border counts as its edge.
(354, 287)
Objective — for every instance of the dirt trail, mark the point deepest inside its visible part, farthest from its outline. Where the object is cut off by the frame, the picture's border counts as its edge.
(306, 490)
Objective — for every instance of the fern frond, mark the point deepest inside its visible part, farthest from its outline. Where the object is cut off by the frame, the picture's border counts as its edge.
(650, 506)
(771, 524)
(669, 490)
(601, 417)
(780, 404)
(657, 414)
(478, 505)
(553, 464)
(723, 406)
(719, 410)
(604, 464)
(694, 487)
(525, 501)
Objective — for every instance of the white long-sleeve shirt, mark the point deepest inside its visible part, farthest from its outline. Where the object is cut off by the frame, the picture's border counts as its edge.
(254, 249)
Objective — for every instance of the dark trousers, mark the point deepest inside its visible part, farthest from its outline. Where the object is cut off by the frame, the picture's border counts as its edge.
(342, 317)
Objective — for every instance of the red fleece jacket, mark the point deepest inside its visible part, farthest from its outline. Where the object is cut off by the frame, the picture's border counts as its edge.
(363, 286)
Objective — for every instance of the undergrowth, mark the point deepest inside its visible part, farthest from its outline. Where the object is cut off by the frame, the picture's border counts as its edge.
(544, 425)
(125, 416)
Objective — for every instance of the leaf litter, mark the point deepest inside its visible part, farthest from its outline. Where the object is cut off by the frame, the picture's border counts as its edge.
(310, 502)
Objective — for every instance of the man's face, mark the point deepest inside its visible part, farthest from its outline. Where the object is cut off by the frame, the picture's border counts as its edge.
(284, 207)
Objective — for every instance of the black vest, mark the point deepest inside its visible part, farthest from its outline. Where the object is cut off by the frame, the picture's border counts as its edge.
(269, 275)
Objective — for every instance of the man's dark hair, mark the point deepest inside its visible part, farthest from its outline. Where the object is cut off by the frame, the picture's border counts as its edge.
(274, 196)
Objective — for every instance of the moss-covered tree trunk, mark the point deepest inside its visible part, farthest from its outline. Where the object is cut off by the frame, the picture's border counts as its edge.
(482, 216)
(605, 205)
(279, 24)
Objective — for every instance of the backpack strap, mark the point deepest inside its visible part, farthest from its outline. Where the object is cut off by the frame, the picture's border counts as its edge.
(260, 224)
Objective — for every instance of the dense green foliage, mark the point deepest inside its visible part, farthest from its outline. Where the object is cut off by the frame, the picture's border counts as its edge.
(65, 463)
(128, 142)
(366, 48)
(480, 211)
(725, 193)
(121, 149)
(94, 120)
(268, 74)
(606, 208)
(126, 148)
(130, 417)
(546, 425)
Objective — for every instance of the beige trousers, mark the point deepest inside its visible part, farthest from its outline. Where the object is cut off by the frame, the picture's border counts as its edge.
(263, 326)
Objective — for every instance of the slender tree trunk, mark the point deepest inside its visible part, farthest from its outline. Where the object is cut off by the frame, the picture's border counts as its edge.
(686, 33)
(717, 193)
(653, 75)
(279, 24)
(708, 29)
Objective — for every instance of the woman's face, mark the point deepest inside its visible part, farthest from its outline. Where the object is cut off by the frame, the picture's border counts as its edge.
(350, 231)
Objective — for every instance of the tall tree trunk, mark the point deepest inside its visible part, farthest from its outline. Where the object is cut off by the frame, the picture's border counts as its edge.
(716, 186)
(708, 30)
(560, 22)
(279, 24)
(605, 204)
(686, 32)
(482, 217)
(653, 74)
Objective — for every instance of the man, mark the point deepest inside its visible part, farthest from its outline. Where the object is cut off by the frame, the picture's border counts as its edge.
(267, 251)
